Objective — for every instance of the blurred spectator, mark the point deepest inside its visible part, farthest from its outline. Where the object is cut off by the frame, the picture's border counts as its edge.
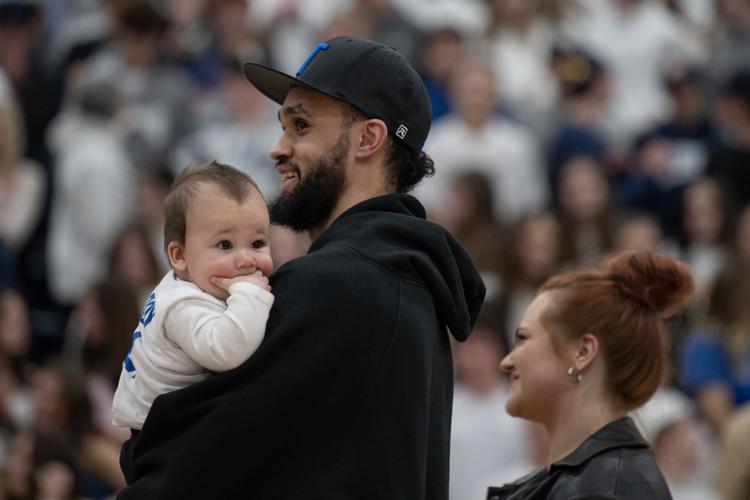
(292, 28)
(467, 16)
(732, 478)
(485, 440)
(153, 92)
(716, 356)
(730, 159)
(441, 52)
(586, 211)
(633, 38)
(623, 99)
(23, 49)
(133, 262)
(584, 98)
(54, 474)
(93, 193)
(22, 181)
(730, 48)
(151, 191)
(679, 446)
(15, 339)
(236, 130)
(673, 154)
(390, 26)
(101, 332)
(532, 255)
(705, 213)
(475, 135)
(62, 408)
(16, 474)
(520, 41)
(228, 37)
(352, 22)
(469, 203)
(81, 30)
(640, 232)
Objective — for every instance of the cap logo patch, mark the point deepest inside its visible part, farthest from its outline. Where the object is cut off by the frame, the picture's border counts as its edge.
(401, 131)
(321, 46)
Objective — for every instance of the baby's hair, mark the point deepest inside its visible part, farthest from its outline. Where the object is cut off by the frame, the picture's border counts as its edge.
(624, 305)
(233, 182)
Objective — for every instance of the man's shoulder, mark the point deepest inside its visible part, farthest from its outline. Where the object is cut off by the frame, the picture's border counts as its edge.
(339, 264)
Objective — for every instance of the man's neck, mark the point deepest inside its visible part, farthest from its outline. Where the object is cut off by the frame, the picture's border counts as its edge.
(352, 196)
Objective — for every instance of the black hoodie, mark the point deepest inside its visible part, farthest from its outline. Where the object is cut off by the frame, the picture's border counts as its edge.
(350, 394)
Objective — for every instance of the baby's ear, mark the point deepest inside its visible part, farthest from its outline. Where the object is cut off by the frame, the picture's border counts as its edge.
(176, 255)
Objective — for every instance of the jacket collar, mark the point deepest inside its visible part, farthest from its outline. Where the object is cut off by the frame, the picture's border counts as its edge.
(394, 202)
(621, 433)
(403, 204)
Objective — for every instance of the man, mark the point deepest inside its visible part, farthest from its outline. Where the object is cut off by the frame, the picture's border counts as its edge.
(349, 396)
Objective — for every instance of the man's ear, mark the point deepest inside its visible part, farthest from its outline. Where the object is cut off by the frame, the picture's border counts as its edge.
(373, 135)
(176, 255)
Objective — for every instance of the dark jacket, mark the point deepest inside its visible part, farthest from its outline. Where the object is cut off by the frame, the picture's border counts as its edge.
(613, 463)
(349, 396)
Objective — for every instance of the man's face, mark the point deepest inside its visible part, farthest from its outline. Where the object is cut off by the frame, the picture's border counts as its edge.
(311, 157)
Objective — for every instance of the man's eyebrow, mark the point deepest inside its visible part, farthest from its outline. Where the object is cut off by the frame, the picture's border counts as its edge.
(297, 109)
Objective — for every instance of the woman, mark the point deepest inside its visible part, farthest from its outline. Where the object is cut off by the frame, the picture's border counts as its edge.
(591, 347)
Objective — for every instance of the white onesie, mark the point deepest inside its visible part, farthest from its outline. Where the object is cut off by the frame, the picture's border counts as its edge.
(183, 335)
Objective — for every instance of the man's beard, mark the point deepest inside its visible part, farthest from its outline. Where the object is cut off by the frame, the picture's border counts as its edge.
(311, 202)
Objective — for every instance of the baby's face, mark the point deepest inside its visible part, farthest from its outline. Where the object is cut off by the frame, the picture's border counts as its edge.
(224, 238)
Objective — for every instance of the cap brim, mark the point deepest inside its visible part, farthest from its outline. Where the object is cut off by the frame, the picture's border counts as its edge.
(272, 83)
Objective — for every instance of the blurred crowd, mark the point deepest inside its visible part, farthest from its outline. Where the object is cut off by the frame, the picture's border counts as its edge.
(563, 131)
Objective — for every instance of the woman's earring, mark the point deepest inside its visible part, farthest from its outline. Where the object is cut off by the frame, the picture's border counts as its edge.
(577, 377)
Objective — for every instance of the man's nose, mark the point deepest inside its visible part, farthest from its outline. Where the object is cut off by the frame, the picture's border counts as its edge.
(282, 149)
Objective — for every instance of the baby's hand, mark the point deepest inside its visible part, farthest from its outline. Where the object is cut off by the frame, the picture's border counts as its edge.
(257, 279)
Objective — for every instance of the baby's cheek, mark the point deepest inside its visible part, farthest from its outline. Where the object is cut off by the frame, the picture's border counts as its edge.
(221, 268)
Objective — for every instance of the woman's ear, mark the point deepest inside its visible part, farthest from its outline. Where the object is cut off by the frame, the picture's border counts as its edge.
(176, 255)
(588, 347)
(372, 138)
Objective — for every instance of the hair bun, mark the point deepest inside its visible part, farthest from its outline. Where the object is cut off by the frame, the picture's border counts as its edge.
(659, 283)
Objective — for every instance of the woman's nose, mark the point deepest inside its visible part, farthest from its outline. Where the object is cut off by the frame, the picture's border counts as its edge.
(506, 364)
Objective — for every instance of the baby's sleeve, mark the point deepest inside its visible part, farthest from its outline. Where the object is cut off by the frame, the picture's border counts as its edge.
(220, 340)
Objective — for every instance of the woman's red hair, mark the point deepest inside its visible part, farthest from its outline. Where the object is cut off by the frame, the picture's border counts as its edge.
(624, 305)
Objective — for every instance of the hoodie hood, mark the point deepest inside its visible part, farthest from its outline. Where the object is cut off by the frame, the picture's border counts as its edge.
(391, 230)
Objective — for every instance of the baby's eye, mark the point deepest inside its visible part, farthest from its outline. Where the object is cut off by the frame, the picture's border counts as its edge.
(259, 243)
(300, 124)
(224, 245)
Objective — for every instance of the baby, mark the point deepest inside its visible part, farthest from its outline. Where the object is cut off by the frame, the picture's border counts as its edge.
(209, 312)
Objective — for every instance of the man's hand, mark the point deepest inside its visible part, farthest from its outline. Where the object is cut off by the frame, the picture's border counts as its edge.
(257, 279)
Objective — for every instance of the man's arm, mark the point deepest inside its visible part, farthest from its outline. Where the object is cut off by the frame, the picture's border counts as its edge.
(290, 410)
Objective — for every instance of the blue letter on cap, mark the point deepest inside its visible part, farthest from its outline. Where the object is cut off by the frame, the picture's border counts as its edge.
(322, 46)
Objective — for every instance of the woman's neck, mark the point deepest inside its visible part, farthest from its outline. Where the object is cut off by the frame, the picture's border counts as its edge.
(576, 423)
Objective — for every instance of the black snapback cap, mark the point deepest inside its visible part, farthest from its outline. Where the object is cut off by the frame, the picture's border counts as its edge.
(370, 76)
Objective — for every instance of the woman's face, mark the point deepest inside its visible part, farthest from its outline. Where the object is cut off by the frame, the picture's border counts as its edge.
(584, 192)
(537, 372)
(703, 214)
(539, 247)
